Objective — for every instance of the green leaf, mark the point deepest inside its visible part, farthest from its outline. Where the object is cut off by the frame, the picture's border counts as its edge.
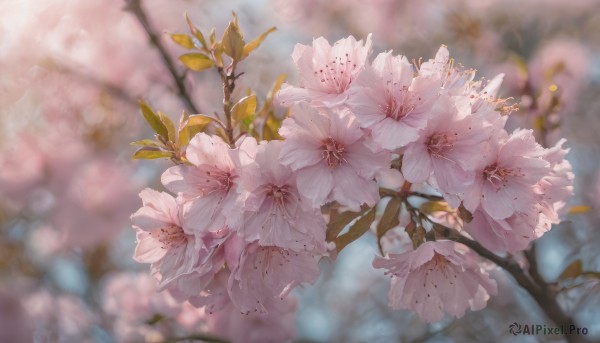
(255, 43)
(361, 226)
(146, 142)
(150, 153)
(244, 108)
(169, 125)
(389, 219)
(338, 221)
(183, 40)
(196, 61)
(572, 270)
(153, 119)
(233, 41)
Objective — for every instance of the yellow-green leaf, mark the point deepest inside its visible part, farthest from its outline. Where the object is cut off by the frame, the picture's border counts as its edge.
(197, 123)
(153, 120)
(149, 153)
(171, 135)
(539, 123)
(276, 87)
(435, 206)
(244, 108)
(580, 209)
(211, 37)
(183, 40)
(271, 129)
(196, 61)
(195, 31)
(233, 41)
(359, 228)
(146, 142)
(255, 43)
(573, 270)
(183, 132)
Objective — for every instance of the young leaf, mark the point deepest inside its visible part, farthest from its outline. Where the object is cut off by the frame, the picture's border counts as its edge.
(571, 271)
(579, 209)
(244, 108)
(196, 61)
(464, 214)
(233, 41)
(183, 40)
(197, 123)
(194, 30)
(146, 142)
(153, 119)
(435, 206)
(255, 43)
(389, 219)
(149, 153)
(338, 221)
(168, 123)
(361, 226)
(184, 131)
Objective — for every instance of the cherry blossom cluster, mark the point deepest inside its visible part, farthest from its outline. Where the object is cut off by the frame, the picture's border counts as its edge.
(243, 224)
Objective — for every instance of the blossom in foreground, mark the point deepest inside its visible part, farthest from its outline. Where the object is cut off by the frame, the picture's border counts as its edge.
(450, 146)
(436, 278)
(391, 103)
(162, 241)
(505, 180)
(266, 275)
(326, 71)
(330, 154)
(208, 188)
(272, 210)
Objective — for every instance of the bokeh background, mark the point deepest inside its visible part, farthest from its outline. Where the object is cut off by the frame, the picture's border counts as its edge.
(70, 76)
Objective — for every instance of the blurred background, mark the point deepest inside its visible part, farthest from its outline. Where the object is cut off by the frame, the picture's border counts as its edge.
(70, 76)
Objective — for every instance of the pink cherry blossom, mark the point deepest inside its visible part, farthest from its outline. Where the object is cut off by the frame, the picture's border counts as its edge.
(332, 157)
(556, 187)
(504, 182)
(208, 189)
(266, 274)
(436, 278)
(273, 211)
(511, 234)
(162, 241)
(326, 71)
(274, 327)
(450, 146)
(391, 103)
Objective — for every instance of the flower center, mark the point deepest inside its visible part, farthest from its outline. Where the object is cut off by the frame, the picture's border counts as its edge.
(223, 179)
(496, 174)
(399, 105)
(332, 152)
(439, 143)
(171, 237)
(337, 75)
(279, 193)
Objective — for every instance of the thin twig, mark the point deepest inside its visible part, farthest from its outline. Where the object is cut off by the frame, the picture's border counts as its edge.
(134, 6)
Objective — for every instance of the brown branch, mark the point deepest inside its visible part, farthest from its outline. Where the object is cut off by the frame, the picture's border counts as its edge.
(546, 302)
(134, 6)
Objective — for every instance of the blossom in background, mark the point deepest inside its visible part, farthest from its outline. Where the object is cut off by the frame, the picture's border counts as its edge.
(208, 189)
(272, 210)
(392, 104)
(326, 71)
(436, 278)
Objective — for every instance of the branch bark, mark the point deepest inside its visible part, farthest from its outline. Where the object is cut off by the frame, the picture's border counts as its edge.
(135, 7)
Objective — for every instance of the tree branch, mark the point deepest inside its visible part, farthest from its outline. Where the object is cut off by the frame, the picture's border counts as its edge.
(134, 6)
